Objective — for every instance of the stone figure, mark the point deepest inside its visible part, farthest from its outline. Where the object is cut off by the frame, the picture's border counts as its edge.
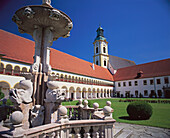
(55, 14)
(47, 2)
(53, 94)
(37, 115)
(29, 12)
(23, 95)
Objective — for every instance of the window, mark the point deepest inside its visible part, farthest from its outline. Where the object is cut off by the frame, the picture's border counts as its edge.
(151, 82)
(144, 82)
(166, 80)
(136, 93)
(124, 84)
(145, 93)
(97, 63)
(105, 63)
(104, 50)
(159, 93)
(158, 81)
(119, 84)
(136, 83)
(97, 49)
(130, 83)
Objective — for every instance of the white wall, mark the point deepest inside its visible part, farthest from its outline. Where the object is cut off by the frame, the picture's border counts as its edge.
(140, 88)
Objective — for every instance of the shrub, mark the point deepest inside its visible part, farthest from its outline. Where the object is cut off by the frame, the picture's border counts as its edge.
(139, 110)
(121, 95)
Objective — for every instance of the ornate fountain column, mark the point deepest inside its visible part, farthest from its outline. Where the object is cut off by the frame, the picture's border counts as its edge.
(45, 24)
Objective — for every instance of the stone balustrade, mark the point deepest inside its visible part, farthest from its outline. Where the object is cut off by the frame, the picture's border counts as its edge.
(74, 122)
(76, 129)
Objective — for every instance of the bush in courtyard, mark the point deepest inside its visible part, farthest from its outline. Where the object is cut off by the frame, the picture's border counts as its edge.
(139, 110)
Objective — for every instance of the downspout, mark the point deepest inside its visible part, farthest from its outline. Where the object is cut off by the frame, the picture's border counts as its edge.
(154, 85)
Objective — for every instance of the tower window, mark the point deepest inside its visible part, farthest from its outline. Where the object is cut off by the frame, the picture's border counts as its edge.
(105, 63)
(97, 49)
(104, 50)
(97, 63)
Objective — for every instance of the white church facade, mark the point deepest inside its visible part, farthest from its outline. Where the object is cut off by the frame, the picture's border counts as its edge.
(109, 76)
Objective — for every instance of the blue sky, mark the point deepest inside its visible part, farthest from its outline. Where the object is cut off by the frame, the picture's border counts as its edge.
(138, 30)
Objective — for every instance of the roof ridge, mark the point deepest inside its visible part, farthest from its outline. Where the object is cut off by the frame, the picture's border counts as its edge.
(123, 59)
(146, 63)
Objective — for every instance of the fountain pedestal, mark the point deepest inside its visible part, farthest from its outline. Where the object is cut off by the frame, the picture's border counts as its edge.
(46, 24)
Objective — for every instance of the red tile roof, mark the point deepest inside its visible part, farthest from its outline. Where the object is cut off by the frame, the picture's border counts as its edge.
(147, 70)
(20, 49)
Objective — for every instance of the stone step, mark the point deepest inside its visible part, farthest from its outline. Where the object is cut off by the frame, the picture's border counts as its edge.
(124, 134)
(117, 131)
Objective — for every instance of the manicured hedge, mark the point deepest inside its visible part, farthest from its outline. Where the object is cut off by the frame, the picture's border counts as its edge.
(139, 110)
(148, 101)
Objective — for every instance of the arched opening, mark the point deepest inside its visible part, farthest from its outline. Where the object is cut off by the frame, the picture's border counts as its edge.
(105, 93)
(101, 93)
(16, 70)
(104, 62)
(78, 93)
(24, 69)
(67, 93)
(69, 78)
(65, 78)
(4, 88)
(17, 86)
(72, 93)
(84, 93)
(1, 68)
(89, 93)
(61, 77)
(8, 70)
(98, 94)
(72, 78)
(97, 50)
(104, 49)
(94, 93)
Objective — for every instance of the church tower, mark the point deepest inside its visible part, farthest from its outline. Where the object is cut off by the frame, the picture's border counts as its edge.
(101, 56)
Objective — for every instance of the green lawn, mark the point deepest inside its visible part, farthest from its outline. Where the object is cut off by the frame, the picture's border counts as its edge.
(160, 116)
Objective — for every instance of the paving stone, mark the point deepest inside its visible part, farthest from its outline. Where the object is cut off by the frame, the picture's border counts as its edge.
(139, 131)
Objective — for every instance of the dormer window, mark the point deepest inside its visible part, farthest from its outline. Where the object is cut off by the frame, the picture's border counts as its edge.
(139, 74)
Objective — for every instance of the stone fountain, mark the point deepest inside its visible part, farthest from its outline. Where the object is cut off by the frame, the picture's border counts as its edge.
(39, 92)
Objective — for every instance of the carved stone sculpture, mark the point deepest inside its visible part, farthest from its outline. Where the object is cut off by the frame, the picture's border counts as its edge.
(47, 2)
(16, 19)
(29, 12)
(22, 95)
(37, 115)
(54, 14)
(53, 94)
